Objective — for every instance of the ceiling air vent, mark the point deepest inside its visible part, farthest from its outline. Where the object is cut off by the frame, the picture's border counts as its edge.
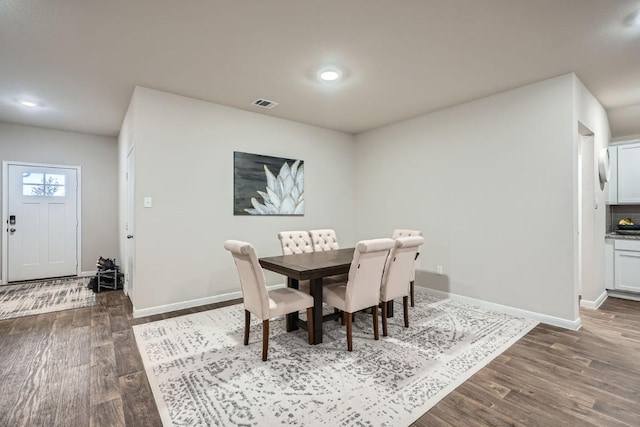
(264, 103)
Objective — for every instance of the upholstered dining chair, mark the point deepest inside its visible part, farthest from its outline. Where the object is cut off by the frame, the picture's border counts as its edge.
(362, 289)
(397, 272)
(296, 242)
(401, 232)
(324, 240)
(262, 303)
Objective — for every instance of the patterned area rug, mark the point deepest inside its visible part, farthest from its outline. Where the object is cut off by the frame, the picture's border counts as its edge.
(45, 296)
(201, 374)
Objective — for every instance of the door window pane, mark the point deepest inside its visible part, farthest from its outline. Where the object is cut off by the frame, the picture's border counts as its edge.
(31, 190)
(43, 185)
(32, 178)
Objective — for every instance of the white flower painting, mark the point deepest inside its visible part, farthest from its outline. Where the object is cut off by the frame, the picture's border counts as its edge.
(265, 185)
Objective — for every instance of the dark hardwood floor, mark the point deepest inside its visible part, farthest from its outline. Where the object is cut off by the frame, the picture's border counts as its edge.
(82, 368)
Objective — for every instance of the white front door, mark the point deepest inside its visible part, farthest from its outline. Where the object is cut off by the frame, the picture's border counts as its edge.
(42, 222)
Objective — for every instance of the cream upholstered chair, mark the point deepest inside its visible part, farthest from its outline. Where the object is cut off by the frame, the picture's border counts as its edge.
(262, 303)
(397, 272)
(400, 232)
(296, 242)
(362, 289)
(324, 240)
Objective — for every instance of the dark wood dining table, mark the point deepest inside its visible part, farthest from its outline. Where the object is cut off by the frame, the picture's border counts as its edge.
(314, 266)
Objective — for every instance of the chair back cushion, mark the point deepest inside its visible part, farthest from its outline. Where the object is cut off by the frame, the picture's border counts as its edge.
(295, 242)
(365, 274)
(398, 268)
(324, 240)
(252, 282)
(401, 232)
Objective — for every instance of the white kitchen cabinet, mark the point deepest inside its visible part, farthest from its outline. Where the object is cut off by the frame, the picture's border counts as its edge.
(608, 264)
(627, 265)
(628, 165)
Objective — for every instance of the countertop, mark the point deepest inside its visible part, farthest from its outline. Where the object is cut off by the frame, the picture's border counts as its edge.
(614, 235)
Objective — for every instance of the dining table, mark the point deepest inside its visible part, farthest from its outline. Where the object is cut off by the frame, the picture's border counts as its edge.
(315, 267)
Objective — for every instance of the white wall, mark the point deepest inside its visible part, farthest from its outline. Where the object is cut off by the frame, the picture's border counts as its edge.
(588, 113)
(97, 155)
(184, 161)
(491, 184)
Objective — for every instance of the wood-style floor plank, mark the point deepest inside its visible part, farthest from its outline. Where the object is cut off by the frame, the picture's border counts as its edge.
(82, 367)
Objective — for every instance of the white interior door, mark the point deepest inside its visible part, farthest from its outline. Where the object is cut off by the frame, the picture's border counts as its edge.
(130, 245)
(42, 220)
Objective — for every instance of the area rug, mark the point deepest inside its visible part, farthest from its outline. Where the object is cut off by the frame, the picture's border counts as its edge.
(201, 374)
(45, 296)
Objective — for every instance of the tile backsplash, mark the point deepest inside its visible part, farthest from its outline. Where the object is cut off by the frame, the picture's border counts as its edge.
(617, 212)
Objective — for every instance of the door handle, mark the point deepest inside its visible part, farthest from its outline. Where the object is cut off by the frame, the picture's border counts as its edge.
(129, 236)
(12, 230)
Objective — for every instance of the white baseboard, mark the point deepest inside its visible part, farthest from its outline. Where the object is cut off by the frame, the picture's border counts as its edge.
(87, 273)
(624, 295)
(192, 303)
(594, 305)
(543, 318)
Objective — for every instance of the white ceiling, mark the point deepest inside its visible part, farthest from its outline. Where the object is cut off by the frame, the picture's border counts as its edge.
(82, 58)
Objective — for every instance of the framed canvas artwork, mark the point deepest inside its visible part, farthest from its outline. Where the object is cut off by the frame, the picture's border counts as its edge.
(266, 185)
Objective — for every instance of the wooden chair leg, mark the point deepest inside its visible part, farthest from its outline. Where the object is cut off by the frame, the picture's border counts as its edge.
(310, 325)
(413, 295)
(376, 334)
(265, 339)
(247, 321)
(336, 311)
(405, 307)
(348, 320)
(385, 306)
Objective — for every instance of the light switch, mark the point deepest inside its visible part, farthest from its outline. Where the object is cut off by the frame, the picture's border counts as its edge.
(147, 202)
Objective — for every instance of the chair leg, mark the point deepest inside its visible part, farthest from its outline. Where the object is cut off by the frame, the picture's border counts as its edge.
(385, 306)
(265, 338)
(310, 325)
(247, 321)
(405, 307)
(413, 295)
(347, 320)
(336, 311)
(376, 334)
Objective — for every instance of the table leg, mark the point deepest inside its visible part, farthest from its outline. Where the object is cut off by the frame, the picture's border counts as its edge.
(292, 318)
(390, 309)
(316, 293)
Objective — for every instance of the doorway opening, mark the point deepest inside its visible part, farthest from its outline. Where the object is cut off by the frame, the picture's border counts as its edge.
(586, 210)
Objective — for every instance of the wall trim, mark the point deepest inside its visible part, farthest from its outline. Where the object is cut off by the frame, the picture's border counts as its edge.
(623, 295)
(87, 273)
(192, 303)
(543, 318)
(594, 305)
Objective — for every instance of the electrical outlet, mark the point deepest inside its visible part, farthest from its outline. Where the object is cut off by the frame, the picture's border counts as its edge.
(439, 269)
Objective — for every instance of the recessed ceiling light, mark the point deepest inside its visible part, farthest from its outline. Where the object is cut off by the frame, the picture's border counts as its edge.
(29, 104)
(329, 74)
